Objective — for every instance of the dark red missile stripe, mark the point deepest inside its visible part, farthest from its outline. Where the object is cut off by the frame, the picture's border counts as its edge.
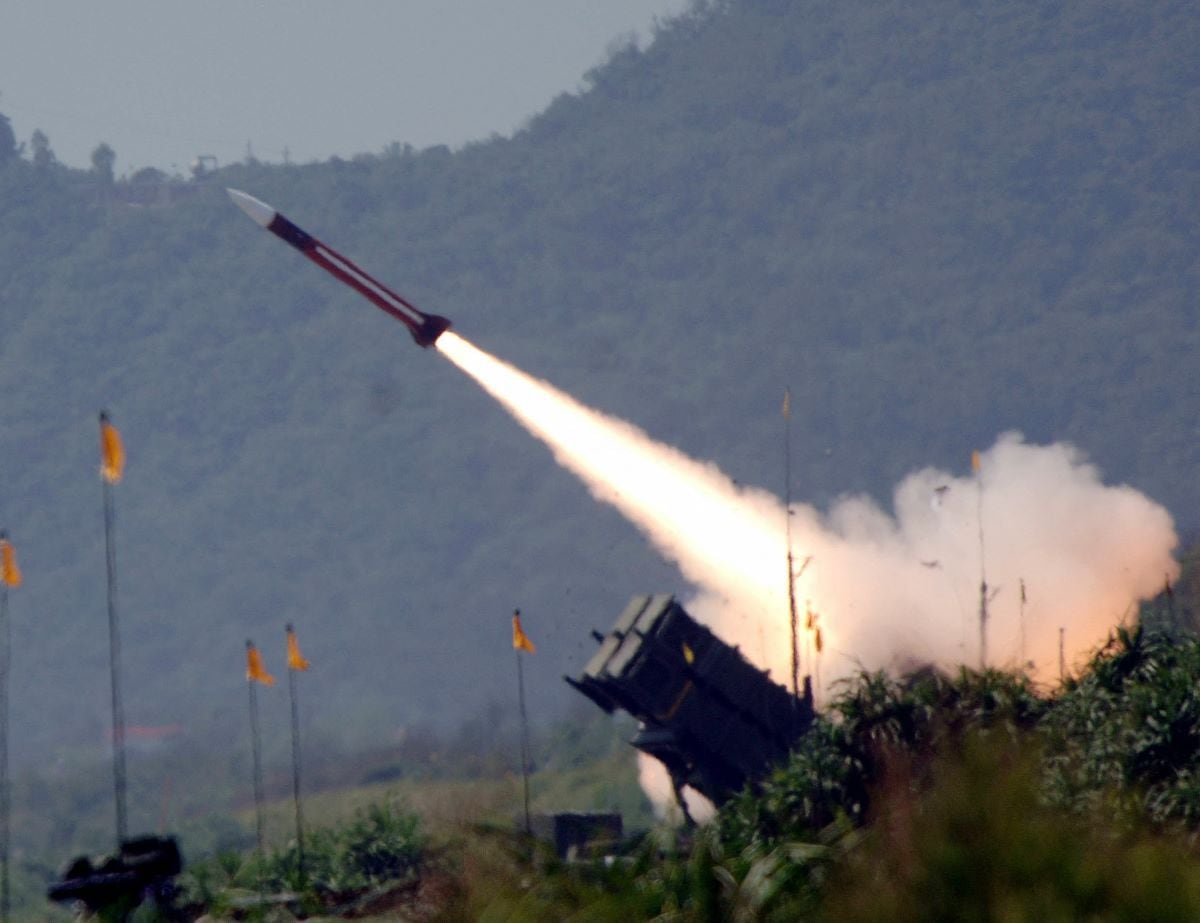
(346, 270)
(425, 328)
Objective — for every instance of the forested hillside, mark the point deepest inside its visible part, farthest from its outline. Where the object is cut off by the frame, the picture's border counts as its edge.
(935, 221)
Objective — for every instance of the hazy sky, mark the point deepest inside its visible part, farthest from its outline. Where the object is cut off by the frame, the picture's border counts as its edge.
(162, 81)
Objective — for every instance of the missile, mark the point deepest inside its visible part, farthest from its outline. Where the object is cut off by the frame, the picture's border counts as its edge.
(425, 328)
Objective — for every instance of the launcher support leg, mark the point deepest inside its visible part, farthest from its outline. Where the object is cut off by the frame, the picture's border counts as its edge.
(677, 786)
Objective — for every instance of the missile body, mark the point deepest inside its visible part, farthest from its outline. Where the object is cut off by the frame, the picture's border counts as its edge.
(425, 328)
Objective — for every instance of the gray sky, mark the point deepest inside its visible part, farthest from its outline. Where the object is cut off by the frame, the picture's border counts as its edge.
(162, 81)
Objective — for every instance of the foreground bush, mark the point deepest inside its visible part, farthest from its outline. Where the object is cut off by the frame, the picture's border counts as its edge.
(382, 845)
(935, 797)
(967, 836)
(982, 844)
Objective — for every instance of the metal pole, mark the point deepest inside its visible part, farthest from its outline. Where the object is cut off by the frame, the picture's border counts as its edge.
(792, 621)
(791, 574)
(983, 589)
(5, 803)
(114, 655)
(524, 741)
(296, 772)
(256, 744)
(1022, 660)
(816, 673)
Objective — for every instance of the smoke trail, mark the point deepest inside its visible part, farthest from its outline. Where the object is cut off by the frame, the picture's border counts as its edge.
(727, 540)
(890, 589)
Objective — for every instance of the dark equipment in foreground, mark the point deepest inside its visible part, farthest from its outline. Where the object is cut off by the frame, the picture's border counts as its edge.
(144, 867)
(425, 328)
(578, 835)
(712, 718)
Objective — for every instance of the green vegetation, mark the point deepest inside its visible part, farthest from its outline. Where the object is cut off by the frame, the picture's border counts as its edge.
(917, 797)
(382, 847)
(929, 797)
(453, 783)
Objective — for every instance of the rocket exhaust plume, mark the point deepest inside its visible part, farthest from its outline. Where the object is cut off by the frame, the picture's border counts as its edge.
(425, 328)
(690, 509)
(892, 589)
(888, 589)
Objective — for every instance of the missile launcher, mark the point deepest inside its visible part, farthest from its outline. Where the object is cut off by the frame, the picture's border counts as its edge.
(713, 719)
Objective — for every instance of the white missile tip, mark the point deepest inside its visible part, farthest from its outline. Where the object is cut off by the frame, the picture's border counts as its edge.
(261, 212)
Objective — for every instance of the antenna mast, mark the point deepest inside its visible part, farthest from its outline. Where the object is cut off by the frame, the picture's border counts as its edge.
(787, 511)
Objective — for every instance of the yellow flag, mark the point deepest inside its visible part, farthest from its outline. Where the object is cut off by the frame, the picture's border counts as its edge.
(255, 671)
(688, 654)
(10, 574)
(112, 452)
(787, 403)
(521, 641)
(295, 659)
(976, 461)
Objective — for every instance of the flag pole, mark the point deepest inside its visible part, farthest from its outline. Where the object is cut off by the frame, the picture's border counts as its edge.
(256, 746)
(295, 664)
(524, 743)
(519, 642)
(5, 660)
(113, 462)
(257, 673)
(296, 774)
(7, 578)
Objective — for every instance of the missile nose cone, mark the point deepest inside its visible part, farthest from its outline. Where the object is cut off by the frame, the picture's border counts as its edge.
(262, 213)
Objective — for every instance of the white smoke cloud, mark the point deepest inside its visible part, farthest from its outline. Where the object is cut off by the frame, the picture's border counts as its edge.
(887, 588)
(656, 783)
(906, 586)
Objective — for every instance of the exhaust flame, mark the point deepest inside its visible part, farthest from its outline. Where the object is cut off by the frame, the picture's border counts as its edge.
(887, 590)
(725, 539)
